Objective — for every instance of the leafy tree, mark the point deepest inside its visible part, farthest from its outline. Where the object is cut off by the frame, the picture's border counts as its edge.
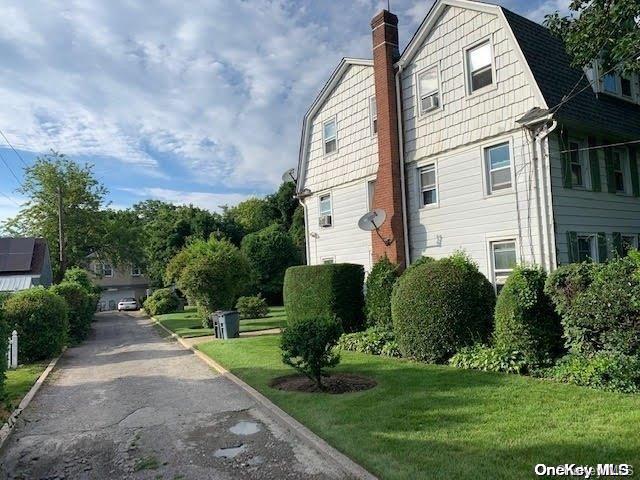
(297, 232)
(283, 203)
(253, 214)
(81, 277)
(601, 29)
(122, 238)
(82, 197)
(270, 252)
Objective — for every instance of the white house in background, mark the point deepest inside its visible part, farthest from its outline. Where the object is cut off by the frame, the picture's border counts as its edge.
(117, 282)
(24, 263)
(467, 141)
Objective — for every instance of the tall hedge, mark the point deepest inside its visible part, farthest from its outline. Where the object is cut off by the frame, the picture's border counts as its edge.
(440, 306)
(326, 291)
(79, 307)
(379, 287)
(525, 319)
(41, 319)
(4, 333)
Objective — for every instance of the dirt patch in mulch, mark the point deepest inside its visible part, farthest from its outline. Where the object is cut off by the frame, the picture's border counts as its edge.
(336, 383)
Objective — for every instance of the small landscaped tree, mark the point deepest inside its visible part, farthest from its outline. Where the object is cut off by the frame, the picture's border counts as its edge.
(379, 287)
(79, 306)
(308, 346)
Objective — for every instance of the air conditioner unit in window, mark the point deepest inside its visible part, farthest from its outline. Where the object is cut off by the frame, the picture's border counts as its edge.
(430, 103)
(325, 221)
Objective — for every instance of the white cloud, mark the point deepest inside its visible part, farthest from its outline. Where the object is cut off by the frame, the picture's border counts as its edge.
(207, 200)
(9, 207)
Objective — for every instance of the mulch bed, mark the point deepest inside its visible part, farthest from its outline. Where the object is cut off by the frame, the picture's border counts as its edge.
(336, 383)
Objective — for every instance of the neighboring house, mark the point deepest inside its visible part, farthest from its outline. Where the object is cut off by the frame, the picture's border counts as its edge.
(467, 144)
(117, 282)
(24, 263)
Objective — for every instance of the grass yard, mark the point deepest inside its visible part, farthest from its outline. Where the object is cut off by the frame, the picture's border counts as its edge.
(428, 421)
(187, 324)
(17, 383)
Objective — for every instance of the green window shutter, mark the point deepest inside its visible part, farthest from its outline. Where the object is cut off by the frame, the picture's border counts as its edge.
(608, 161)
(633, 164)
(617, 243)
(572, 246)
(566, 159)
(594, 165)
(602, 247)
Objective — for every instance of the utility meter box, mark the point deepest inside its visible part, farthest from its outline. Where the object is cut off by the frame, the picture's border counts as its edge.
(226, 324)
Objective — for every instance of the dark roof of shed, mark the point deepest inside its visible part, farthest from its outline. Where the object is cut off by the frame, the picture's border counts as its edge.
(552, 70)
(38, 256)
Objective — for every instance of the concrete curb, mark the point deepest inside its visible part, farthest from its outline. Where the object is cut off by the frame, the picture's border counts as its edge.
(9, 425)
(283, 418)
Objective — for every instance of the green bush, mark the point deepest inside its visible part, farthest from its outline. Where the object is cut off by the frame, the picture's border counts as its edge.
(270, 252)
(379, 287)
(79, 307)
(215, 280)
(252, 307)
(488, 359)
(41, 319)
(82, 277)
(525, 320)
(373, 340)
(5, 331)
(163, 300)
(604, 371)
(308, 346)
(567, 282)
(325, 291)
(441, 306)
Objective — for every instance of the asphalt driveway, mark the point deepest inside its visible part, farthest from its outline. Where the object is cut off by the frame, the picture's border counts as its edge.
(130, 404)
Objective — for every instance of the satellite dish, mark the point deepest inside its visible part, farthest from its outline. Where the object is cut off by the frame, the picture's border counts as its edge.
(289, 175)
(372, 221)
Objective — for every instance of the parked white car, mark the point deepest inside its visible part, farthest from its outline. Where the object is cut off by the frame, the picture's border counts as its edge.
(128, 304)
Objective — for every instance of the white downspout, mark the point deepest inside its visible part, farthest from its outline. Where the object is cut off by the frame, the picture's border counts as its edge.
(405, 220)
(545, 193)
(306, 231)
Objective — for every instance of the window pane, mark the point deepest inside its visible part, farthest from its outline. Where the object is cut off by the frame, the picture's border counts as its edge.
(609, 83)
(429, 197)
(504, 256)
(325, 205)
(428, 82)
(576, 174)
(428, 176)
(626, 86)
(499, 156)
(619, 178)
(501, 179)
(371, 190)
(374, 108)
(479, 57)
(330, 146)
(584, 249)
(330, 129)
(481, 79)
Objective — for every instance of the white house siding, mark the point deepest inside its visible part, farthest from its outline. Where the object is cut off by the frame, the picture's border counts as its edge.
(344, 172)
(454, 136)
(584, 211)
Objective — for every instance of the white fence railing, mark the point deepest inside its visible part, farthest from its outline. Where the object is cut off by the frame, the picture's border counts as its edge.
(12, 351)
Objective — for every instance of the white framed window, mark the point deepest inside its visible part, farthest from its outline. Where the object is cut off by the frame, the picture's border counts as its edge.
(373, 115)
(330, 136)
(428, 185)
(503, 260)
(328, 260)
(579, 164)
(629, 242)
(620, 85)
(479, 66)
(621, 175)
(107, 270)
(498, 167)
(326, 213)
(587, 248)
(371, 191)
(428, 90)
(136, 271)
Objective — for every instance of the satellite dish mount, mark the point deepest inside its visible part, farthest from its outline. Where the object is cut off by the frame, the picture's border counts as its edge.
(373, 221)
(289, 176)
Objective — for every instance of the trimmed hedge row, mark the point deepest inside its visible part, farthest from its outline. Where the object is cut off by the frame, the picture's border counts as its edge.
(325, 291)
(379, 287)
(79, 306)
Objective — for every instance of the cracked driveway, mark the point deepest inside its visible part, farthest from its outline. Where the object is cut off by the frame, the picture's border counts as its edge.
(130, 404)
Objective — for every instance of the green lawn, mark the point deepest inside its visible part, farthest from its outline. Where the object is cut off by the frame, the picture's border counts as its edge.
(188, 324)
(427, 421)
(18, 382)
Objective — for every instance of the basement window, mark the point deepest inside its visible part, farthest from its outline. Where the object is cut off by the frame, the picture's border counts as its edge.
(330, 136)
(479, 66)
(428, 90)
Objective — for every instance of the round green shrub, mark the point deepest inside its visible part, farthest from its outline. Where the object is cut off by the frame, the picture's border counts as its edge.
(252, 307)
(379, 287)
(308, 346)
(79, 307)
(82, 277)
(525, 319)
(441, 306)
(568, 281)
(41, 319)
(163, 300)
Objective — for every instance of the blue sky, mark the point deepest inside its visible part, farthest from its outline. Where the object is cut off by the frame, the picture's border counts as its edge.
(190, 102)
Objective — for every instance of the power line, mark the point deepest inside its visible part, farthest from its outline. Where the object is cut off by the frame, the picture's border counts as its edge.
(10, 169)
(10, 199)
(14, 150)
(630, 142)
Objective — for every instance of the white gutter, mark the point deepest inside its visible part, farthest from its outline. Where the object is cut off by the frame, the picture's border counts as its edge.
(306, 231)
(545, 193)
(405, 221)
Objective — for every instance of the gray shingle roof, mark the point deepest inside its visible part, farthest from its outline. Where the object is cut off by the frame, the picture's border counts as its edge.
(551, 67)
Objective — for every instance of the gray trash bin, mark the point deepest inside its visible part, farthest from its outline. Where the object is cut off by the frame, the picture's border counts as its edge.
(226, 324)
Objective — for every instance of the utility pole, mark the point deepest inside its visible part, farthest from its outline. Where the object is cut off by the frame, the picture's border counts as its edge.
(62, 259)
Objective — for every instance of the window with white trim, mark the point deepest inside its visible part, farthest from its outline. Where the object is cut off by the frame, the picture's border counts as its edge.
(579, 165)
(498, 167)
(504, 258)
(371, 191)
(136, 271)
(479, 66)
(620, 160)
(587, 251)
(330, 136)
(629, 242)
(373, 115)
(428, 90)
(326, 216)
(428, 185)
(107, 270)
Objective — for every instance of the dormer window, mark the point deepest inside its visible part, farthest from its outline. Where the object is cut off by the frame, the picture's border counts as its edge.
(623, 86)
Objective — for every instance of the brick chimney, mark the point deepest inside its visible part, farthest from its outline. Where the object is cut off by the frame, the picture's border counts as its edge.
(388, 190)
